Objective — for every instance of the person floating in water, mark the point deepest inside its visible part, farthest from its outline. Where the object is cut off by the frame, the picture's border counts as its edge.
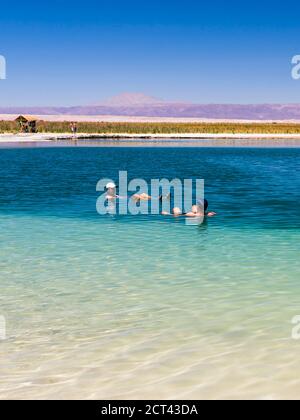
(198, 210)
(141, 197)
(146, 197)
(111, 191)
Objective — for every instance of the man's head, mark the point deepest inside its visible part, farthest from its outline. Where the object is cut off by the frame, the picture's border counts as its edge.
(195, 209)
(203, 204)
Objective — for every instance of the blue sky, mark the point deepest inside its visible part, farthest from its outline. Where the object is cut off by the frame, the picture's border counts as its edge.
(72, 53)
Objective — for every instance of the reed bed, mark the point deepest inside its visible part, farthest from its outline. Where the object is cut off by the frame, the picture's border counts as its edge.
(158, 128)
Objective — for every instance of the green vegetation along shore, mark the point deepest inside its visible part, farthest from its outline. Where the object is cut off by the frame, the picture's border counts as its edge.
(159, 128)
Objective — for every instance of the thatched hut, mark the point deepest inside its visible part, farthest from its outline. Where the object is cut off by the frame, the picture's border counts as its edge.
(27, 123)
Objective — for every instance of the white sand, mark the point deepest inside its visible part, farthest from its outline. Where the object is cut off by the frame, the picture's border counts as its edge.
(25, 138)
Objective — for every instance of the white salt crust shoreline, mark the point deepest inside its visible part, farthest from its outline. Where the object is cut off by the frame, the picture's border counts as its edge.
(52, 137)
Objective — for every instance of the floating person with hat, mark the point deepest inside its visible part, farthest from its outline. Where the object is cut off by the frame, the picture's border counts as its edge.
(111, 191)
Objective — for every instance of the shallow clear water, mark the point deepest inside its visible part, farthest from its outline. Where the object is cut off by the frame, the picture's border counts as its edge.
(145, 306)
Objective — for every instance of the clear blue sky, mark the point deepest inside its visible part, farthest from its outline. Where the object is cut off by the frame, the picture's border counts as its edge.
(71, 53)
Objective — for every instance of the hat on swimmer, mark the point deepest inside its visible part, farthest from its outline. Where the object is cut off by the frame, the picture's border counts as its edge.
(111, 185)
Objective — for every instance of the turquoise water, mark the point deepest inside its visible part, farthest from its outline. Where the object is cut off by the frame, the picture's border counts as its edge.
(145, 306)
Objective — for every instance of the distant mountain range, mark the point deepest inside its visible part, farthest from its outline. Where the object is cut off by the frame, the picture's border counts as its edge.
(140, 105)
(131, 99)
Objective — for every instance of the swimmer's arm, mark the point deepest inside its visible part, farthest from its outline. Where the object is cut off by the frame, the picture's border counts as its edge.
(191, 214)
(165, 213)
(112, 197)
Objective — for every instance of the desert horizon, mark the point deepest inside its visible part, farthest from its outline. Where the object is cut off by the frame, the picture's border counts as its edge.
(140, 106)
